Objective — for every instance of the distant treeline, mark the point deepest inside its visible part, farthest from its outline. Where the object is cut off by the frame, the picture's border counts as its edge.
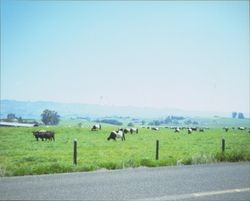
(13, 118)
(172, 120)
(110, 121)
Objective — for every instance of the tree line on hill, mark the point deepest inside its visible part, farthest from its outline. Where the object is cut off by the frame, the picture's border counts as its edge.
(110, 121)
(48, 117)
(172, 120)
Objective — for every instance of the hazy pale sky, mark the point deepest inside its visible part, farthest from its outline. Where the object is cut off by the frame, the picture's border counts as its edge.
(191, 55)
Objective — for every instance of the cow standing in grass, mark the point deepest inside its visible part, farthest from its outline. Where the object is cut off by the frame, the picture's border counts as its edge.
(154, 128)
(125, 130)
(177, 130)
(116, 134)
(201, 129)
(132, 130)
(43, 134)
(96, 127)
(190, 130)
(194, 128)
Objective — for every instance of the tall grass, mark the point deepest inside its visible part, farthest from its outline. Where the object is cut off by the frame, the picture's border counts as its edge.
(21, 154)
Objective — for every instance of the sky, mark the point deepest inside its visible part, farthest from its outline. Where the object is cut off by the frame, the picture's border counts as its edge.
(191, 55)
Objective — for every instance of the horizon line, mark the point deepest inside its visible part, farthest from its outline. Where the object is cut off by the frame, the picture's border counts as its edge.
(131, 106)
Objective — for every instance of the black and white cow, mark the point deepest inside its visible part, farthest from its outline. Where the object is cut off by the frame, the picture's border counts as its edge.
(241, 128)
(125, 130)
(96, 127)
(154, 128)
(116, 134)
(177, 130)
(132, 130)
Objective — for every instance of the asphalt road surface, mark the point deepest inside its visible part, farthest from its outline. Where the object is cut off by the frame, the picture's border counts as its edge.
(224, 181)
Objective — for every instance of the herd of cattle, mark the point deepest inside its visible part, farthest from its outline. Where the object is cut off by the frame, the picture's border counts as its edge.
(43, 134)
(121, 132)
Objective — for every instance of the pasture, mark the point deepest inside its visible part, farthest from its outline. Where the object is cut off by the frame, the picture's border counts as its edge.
(21, 154)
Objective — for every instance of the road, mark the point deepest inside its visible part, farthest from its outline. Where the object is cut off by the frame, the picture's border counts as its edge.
(222, 181)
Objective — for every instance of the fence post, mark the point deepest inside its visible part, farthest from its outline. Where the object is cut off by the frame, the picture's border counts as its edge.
(223, 145)
(75, 152)
(157, 150)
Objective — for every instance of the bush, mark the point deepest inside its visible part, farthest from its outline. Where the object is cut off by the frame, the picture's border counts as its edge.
(231, 156)
(147, 162)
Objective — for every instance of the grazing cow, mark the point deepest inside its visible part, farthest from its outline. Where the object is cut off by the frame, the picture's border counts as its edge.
(132, 130)
(241, 128)
(125, 130)
(177, 130)
(190, 130)
(96, 127)
(49, 135)
(116, 134)
(37, 135)
(226, 129)
(194, 128)
(43, 134)
(201, 129)
(154, 128)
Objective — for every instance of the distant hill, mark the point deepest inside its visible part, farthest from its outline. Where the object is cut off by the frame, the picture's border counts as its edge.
(30, 109)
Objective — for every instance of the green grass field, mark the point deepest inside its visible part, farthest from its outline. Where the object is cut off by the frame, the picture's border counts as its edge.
(21, 154)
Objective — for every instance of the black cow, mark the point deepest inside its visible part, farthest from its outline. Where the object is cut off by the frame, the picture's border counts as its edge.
(194, 128)
(50, 135)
